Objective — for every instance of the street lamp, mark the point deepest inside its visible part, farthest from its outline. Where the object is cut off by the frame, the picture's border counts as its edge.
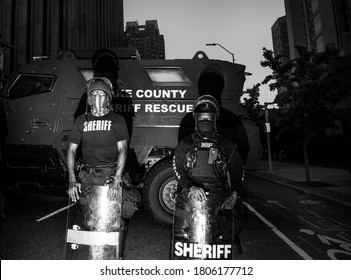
(268, 130)
(216, 44)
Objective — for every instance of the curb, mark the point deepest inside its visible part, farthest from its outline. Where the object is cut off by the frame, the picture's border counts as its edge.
(309, 192)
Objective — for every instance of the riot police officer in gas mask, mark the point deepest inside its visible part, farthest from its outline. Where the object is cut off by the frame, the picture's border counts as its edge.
(209, 172)
(97, 179)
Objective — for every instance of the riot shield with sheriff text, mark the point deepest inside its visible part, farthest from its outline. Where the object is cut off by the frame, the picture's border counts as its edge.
(202, 230)
(94, 226)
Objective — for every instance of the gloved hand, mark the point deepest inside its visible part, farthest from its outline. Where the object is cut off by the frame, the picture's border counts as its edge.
(74, 189)
(197, 193)
(115, 189)
(229, 201)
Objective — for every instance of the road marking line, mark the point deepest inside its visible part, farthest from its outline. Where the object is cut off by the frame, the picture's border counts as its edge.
(296, 248)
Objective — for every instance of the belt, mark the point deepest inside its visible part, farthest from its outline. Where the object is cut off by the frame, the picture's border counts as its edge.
(98, 168)
(213, 185)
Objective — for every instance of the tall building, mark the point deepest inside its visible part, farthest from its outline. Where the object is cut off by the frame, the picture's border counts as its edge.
(37, 29)
(280, 38)
(146, 38)
(319, 24)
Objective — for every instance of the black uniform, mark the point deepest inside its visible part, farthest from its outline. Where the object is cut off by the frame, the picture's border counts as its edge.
(214, 165)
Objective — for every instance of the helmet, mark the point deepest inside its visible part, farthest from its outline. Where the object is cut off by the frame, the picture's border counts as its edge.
(100, 104)
(100, 83)
(206, 104)
(206, 113)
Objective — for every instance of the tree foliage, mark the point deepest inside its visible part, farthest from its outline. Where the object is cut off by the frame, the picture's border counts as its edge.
(252, 105)
(308, 91)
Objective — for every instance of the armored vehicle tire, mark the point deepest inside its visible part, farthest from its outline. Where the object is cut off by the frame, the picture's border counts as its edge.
(160, 190)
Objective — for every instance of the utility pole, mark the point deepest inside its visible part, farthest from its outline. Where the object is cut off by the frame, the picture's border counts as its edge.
(268, 130)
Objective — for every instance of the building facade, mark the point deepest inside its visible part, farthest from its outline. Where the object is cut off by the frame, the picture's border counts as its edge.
(319, 24)
(38, 29)
(146, 38)
(280, 38)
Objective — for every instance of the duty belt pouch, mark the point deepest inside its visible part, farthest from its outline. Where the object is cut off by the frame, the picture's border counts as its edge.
(130, 198)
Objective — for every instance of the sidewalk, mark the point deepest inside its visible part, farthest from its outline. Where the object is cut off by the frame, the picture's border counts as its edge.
(329, 183)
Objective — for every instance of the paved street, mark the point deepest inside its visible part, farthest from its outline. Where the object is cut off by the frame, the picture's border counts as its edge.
(25, 239)
(302, 226)
(280, 223)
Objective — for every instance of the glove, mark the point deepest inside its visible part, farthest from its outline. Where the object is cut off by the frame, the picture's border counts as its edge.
(74, 189)
(197, 193)
(229, 201)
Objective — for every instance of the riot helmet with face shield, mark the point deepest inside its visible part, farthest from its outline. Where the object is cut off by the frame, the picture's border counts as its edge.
(99, 90)
(206, 113)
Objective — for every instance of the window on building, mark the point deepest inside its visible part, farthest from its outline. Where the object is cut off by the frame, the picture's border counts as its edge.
(315, 5)
(335, 128)
(29, 84)
(317, 24)
(320, 45)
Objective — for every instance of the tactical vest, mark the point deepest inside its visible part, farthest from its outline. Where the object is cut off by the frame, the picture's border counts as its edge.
(207, 162)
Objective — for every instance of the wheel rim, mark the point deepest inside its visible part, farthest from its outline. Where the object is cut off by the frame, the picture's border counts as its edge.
(167, 195)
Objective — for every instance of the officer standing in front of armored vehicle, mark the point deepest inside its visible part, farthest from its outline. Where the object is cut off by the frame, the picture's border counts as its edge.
(103, 135)
(208, 169)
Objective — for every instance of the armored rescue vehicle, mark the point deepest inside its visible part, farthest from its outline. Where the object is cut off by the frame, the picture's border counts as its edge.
(155, 97)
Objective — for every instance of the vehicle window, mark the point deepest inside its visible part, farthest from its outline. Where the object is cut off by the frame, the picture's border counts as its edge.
(168, 76)
(28, 84)
(88, 73)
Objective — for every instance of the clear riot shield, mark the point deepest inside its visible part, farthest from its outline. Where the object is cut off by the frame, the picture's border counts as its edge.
(94, 227)
(201, 230)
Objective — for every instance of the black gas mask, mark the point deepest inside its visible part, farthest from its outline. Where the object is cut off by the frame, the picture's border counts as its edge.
(206, 112)
(205, 124)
